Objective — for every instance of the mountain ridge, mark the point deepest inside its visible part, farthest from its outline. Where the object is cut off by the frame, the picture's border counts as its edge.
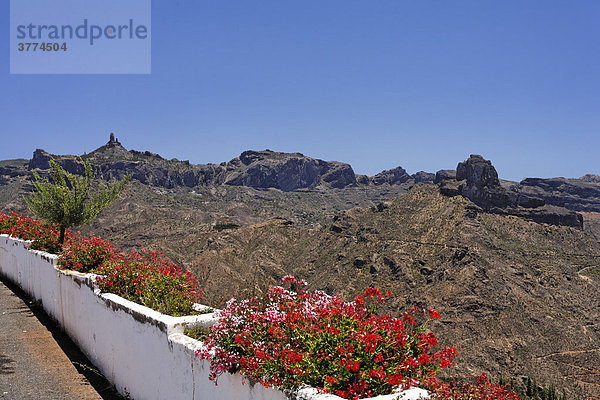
(294, 172)
(517, 297)
(550, 200)
(257, 169)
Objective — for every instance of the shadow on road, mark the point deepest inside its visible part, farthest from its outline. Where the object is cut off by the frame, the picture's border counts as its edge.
(104, 388)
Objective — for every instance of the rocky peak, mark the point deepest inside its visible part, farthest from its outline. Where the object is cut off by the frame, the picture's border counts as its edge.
(590, 178)
(482, 184)
(391, 176)
(444, 174)
(423, 177)
(477, 171)
(286, 171)
(40, 160)
(477, 179)
(112, 141)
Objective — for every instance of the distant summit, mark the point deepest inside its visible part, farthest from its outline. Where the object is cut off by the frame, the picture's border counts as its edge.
(112, 141)
(477, 179)
(551, 201)
(264, 169)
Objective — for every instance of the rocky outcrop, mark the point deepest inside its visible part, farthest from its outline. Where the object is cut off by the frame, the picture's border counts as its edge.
(581, 194)
(256, 169)
(477, 179)
(40, 160)
(286, 171)
(391, 176)
(423, 177)
(338, 175)
(11, 171)
(481, 184)
(547, 214)
(590, 178)
(443, 175)
(396, 176)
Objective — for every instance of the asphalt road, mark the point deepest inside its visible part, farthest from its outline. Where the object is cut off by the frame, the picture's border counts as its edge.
(37, 360)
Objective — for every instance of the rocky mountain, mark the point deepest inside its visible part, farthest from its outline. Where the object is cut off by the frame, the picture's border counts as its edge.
(581, 194)
(517, 297)
(537, 198)
(477, 180)
(255, 169)
(507, 264)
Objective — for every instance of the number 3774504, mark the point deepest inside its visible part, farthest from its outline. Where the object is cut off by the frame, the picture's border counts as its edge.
(43, 46)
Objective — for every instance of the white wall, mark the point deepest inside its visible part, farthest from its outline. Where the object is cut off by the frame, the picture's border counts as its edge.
(142, 352)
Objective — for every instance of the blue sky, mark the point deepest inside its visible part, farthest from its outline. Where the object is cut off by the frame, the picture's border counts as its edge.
(375, 83)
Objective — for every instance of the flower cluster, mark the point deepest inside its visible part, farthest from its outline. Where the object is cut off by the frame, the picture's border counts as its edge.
(290, 339)
(150, 279)
(86, 254)
(147, 278)
(44, 235)
(482, 389)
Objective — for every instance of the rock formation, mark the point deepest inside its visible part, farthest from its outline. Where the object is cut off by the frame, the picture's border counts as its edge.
(423, 177)
(477, 179)
(40, 160)
(391, 177)
(256, 169)
(543, 200)
(581, 194)
(444, 174)
(481, 185)
(286, 171)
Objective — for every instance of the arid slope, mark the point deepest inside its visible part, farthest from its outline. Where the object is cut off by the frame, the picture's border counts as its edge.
(517, 297)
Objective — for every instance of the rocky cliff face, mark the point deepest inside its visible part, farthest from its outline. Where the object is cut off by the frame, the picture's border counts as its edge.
(581, 194)
(286, 171)
(481, 183)
(391, 177)
(542, 200)
(255, 169)
(477, 179)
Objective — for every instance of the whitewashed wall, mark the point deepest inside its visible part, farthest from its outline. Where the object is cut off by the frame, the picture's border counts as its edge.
(142, 352)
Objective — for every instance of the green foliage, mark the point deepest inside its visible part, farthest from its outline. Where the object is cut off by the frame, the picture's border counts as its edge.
(531, 390)
(220, 226)
(198, 332)
(67, 200)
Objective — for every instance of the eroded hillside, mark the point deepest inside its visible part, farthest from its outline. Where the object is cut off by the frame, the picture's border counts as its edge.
(517, 297)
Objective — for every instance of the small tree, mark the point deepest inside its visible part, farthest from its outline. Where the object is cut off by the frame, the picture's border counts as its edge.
(66, 199)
